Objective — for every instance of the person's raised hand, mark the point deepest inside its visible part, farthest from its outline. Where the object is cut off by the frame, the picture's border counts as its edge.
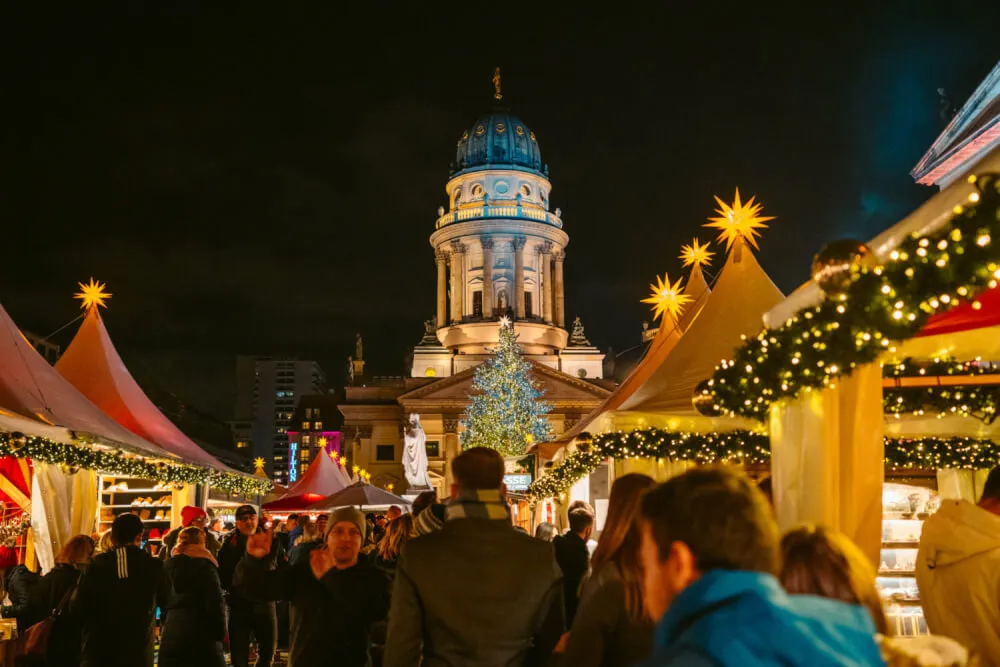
(321, 561)
(259, 544)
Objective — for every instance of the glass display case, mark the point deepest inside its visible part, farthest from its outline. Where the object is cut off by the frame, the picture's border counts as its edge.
(904, 509)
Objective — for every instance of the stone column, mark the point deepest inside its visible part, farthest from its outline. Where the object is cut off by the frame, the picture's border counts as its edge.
(442, 288)
(452, 448)
(545, 252)
(488, 298)
(559, 296)
(518, 246)
(457, 281)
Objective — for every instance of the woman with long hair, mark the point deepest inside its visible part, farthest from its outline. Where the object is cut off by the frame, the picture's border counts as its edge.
(399, 530)
(52, 590)
(612, 627)
(818, 561)
(304, 543)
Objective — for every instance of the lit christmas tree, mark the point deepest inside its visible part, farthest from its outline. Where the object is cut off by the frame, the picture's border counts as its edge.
(506, 412)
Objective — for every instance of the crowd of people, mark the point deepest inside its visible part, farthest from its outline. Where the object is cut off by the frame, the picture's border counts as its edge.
(690, 572)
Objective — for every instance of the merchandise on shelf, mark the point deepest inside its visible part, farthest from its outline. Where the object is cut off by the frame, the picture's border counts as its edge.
(150, 500)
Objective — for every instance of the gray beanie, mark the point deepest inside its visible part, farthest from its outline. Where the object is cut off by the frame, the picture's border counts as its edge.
(351, 515)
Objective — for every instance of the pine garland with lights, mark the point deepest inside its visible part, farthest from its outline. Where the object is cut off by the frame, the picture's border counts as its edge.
(746, 447)
(73, 457)
(505, 413)
(924, 275)
(978, 401)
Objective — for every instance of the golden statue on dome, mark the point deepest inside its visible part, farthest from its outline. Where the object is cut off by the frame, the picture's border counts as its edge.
(496, 85)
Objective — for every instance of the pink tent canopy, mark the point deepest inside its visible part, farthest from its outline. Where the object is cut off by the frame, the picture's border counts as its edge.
(30, 387)
(322, 478)
(92, 365)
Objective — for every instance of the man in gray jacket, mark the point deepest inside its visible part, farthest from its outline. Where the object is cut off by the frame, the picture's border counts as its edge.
(476, 592)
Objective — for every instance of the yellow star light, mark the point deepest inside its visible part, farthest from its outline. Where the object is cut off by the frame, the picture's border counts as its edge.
(667, 297)
(259, 463)
(92, 295)
(322, 442)
(739, 221)
(697, 254)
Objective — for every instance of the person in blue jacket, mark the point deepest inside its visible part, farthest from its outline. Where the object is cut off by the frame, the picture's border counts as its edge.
(709, 553)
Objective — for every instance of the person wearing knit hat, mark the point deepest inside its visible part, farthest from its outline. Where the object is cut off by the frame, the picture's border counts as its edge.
(333, 583)
(190, 516)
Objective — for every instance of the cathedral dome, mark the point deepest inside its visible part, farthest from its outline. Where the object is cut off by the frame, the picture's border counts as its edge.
(498, 140)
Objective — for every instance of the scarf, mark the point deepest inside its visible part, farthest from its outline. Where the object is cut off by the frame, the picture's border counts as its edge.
(194, 551)
(478, 504)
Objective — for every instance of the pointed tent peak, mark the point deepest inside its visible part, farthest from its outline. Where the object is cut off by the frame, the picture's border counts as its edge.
(92, 365)
(738, 221)
(696, 254)
(323, 477)
(667, 298)
(93, 295)
(697, 288)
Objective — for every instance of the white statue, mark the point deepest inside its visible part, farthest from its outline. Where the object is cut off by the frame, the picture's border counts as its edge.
(415, 454)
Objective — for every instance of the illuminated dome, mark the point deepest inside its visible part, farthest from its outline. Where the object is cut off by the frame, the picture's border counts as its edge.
(498, 140)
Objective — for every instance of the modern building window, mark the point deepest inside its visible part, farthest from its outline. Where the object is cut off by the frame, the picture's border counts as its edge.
(316, 413)
(309, 413)
(433, 449)
(528, 306)
(318, 426)
(385, 452)
(477, 303)
(305, 454)
(242, 444)
(306, 439)
(305, 426)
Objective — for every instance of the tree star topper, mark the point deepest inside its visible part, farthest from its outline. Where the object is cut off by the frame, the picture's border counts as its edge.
(667, 297)
(505, 322)
(696, 254)
(92, 295)
(739, 221)
(259, 462)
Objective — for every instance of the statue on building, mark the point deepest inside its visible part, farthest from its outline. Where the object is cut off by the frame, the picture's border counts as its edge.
(358, 348)
(350, 369)
(578, 338)
(430, 333)
(502, 304)
(415, 455)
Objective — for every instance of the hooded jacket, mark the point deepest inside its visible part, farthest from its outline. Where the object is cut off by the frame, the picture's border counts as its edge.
(958, 573)
(116, 603)
(745, 619)
(195, 623)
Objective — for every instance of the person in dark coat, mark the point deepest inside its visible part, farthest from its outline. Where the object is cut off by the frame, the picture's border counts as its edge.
(19, 582)
(55, 589)
(476, 592)
(307, 540)
(190, 516)
(117, 599)
(574, 557)
(247, 618)
(335, 598)
(195, 623)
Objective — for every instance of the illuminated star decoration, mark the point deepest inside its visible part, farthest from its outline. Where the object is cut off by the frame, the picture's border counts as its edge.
(259, 462)
(667, 297)
(739, 221)
(504, 322)
(92, 295)
(322, 442)
(696, 254)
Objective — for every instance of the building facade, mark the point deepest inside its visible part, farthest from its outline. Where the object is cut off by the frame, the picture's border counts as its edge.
(314, 427)
(267, 391)
(498, 251)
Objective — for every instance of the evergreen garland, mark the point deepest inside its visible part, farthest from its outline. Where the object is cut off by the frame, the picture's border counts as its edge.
(505, 413)
(75, 457)
(924, 275)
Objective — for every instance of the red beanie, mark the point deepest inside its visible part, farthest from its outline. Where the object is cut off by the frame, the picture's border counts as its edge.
(190, 513)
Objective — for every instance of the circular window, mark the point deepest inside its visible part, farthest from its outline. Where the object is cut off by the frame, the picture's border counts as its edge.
(477, 190)
(430, 372)
(500, 128)
(582, 372)
(525, 190)
(502, 187)
(519, 130)
(480, 130)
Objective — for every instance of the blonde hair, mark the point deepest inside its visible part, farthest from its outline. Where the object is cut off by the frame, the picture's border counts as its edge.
(191, 535)
(310, 533)
(79, 549)
(105, 544)
(818, 561)
(400, 529)
(621, 539)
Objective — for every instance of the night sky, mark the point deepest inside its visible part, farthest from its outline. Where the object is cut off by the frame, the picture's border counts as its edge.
(264, 181)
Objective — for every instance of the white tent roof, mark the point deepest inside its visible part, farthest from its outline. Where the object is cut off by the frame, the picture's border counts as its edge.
(29, 387)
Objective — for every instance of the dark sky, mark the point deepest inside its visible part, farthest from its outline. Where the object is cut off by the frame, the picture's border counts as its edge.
(262, 179)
